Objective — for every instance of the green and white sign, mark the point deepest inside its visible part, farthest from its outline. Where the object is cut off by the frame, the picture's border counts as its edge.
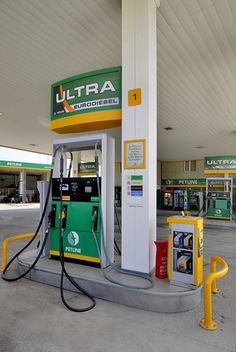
(192, 182)
(184, 182)
(89, 92)
(87, 102)
(21, 165)
(220, 163)
(85, 168)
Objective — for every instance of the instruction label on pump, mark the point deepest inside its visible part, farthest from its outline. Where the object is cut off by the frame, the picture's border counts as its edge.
(135, 154)
(135, 190)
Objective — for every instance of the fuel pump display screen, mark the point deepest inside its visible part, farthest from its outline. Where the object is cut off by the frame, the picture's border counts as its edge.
(77, 189)
(219, 205)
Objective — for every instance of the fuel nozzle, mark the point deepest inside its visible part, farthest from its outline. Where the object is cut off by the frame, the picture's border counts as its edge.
(94, 219)
(52, 216)
(63, 217)
(49, 219)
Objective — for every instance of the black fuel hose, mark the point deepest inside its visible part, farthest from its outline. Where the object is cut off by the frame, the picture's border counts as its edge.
(71, 162)
(118, 223)
(63, 269)
(4, 277)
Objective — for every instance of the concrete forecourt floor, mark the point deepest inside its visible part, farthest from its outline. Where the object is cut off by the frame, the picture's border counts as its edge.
(32, 317)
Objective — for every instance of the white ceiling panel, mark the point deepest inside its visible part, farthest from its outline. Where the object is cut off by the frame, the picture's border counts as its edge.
(196, 78)
(43, 41)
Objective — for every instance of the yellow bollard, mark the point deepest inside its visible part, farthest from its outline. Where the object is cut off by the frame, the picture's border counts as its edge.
(209, 286)
(6, 243)
(186, 213)
(214, 289)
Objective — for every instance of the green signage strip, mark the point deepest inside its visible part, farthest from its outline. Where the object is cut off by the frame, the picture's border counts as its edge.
(94, 199)
(184, 182)
(220, 163)
(192, 182)
(20, 165)
(89, 92)
(84, 168)
(136, 178)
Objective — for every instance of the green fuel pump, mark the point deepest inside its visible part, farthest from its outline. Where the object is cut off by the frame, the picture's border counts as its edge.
(219, 197)
(80, 202)
(79, 232)
(219, 205)
(76, 225)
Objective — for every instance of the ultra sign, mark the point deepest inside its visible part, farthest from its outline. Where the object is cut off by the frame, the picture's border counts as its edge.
(87, 102)
(220, 163)
(85, 168)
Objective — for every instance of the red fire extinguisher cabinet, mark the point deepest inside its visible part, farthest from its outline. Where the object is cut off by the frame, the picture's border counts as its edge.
(161, 259)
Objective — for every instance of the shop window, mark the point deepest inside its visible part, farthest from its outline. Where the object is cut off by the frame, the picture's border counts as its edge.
(189, 165)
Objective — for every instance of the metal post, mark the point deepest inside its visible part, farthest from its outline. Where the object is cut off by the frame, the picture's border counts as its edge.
(207, 323)
(6, 243)
(22, 186)
(43, 188)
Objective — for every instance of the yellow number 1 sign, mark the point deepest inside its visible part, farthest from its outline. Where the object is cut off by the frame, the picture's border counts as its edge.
(134, 97)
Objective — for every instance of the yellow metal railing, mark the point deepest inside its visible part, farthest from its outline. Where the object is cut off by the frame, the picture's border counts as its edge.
(210, 287)
(6, 243)
(186, 213)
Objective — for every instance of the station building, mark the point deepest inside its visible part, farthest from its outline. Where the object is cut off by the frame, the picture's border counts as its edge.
(19, 172)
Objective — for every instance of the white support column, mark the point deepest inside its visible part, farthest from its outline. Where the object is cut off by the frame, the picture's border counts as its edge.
(22, 186)
(139, 61)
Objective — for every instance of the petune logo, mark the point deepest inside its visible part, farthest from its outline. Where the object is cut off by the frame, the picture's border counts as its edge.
(73, 238)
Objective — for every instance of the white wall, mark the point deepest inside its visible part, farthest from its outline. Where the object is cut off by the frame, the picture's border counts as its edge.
(175, 169)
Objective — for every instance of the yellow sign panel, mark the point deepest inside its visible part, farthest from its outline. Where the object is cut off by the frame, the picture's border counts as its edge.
(135, 97)
(135, 154)
(66, 198)
(87, 122)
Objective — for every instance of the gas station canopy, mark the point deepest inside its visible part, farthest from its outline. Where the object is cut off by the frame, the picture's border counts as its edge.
(45, 41)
